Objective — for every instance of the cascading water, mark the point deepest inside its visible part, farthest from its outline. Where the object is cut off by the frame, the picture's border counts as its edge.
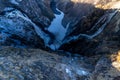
(58, 30)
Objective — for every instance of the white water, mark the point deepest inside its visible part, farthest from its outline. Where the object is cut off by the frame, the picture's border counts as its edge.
(58, 30)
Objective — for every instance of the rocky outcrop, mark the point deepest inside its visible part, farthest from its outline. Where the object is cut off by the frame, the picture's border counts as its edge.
(107, 68)
(17, 30)
(35, 64)
(23, 23)
(38, 11)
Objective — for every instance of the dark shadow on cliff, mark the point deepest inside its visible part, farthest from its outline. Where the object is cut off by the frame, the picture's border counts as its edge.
(105, 42)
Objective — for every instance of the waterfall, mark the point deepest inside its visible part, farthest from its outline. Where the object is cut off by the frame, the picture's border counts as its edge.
(57, 29)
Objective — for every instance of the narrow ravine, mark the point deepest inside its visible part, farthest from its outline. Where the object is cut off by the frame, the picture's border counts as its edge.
(58, 31)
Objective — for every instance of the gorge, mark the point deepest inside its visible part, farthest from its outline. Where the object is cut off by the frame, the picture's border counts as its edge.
(59, 40)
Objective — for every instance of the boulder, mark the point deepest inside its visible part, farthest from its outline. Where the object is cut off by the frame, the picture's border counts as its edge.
(36, 64)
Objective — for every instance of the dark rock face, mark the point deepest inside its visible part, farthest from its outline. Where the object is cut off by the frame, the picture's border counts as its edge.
(76, 11)
(38, 11)
(81, 39)
(16, 31)
(18, 19)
